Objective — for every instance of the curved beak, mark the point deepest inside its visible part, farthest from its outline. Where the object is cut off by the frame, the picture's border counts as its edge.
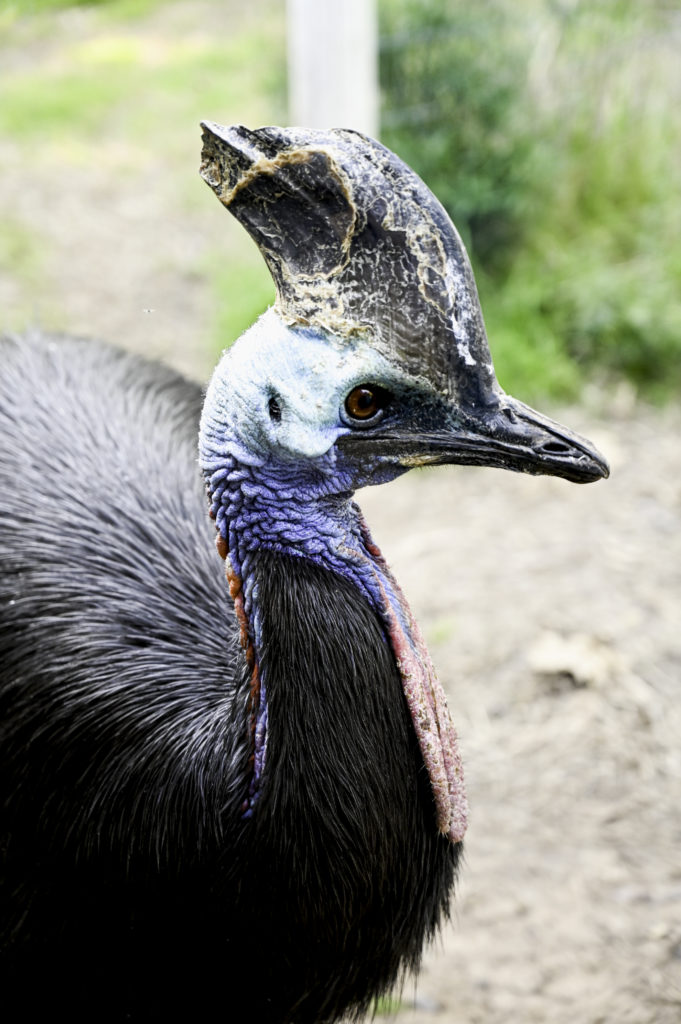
(508, 435)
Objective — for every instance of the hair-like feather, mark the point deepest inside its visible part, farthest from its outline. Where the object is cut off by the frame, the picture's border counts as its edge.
(132, 886)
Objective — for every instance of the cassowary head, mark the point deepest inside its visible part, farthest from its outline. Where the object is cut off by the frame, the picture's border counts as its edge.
(374, 358)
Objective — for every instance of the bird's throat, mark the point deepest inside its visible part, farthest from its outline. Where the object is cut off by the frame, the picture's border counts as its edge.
(330, 532)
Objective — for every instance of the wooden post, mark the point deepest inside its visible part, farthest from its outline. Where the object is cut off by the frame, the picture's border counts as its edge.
(333, 64)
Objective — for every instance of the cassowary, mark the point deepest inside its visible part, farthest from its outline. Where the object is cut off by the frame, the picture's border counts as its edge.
(241, 799)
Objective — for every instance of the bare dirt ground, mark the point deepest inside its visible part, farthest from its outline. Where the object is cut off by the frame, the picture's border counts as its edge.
(552, 613)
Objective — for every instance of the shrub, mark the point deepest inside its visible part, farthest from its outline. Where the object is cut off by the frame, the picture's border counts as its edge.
(552, 134)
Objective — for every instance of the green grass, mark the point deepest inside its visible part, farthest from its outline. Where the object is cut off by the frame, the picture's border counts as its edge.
(128, 9)
(121, 84)
(126, 90)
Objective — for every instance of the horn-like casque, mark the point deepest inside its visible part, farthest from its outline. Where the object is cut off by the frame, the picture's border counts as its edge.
(355, 241)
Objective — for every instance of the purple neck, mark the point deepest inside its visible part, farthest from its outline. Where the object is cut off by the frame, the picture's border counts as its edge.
(259, 507)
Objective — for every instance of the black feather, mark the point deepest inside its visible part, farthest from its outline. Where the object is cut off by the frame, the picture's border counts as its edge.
(132, 887)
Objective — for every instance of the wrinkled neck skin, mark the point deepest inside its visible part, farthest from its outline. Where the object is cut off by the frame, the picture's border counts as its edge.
(263, 501)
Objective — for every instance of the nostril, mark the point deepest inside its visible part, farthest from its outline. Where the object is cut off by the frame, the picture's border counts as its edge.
(555, 448)
(274, 409)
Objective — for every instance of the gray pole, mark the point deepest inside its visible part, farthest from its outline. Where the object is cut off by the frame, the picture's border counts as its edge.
(333, 64)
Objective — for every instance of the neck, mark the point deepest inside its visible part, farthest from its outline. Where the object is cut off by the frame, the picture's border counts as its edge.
(263, 510)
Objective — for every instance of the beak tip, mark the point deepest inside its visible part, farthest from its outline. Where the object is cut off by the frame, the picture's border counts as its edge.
(586, 467)
(592, 465)
(602, 468)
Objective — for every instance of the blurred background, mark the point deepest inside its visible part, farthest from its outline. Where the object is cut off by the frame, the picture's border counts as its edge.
(551, 131)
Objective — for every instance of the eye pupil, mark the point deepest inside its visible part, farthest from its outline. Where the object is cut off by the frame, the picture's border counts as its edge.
(364, 401)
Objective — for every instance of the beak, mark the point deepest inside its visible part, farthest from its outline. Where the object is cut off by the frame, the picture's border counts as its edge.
(508, 435)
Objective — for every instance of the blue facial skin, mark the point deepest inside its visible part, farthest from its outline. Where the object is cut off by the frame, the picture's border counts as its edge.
(273, 412)
(308, 375)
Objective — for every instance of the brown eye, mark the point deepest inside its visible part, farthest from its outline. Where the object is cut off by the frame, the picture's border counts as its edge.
(365, 401)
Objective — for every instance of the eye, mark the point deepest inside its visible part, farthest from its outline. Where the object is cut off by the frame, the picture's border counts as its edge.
(366, 401)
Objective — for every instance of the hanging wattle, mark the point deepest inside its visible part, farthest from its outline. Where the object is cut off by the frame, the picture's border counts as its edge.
(426, 701)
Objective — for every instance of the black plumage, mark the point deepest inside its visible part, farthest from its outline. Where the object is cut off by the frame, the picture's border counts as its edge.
(131, 886)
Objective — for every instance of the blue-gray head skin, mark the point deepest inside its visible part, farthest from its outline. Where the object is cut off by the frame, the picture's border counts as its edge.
(363, 253)
(374, 359)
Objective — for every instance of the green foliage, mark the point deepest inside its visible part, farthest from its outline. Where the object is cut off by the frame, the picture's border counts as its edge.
(553, 135)
(450, 109)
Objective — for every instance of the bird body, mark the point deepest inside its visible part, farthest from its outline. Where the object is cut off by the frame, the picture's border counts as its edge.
(241, 798)
(137, 868)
